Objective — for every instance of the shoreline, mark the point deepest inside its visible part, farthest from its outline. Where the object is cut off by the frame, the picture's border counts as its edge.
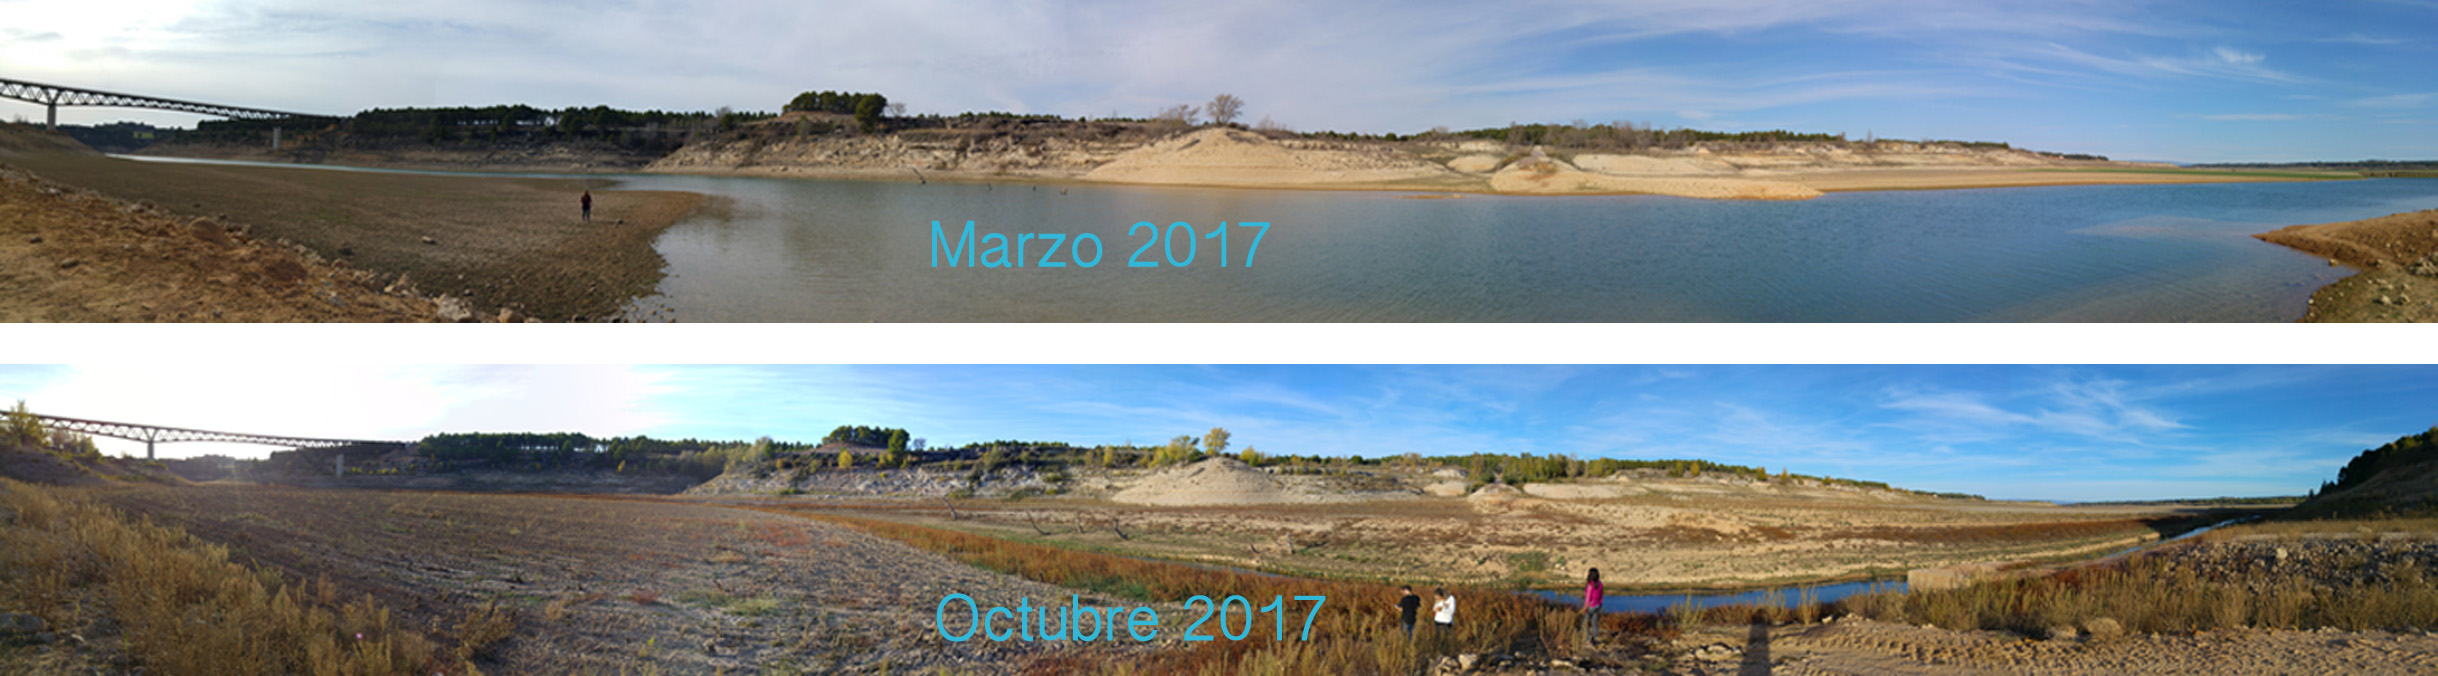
(2396, 262)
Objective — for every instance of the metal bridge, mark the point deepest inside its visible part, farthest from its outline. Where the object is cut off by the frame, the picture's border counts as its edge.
(151, 434)
(53, 96)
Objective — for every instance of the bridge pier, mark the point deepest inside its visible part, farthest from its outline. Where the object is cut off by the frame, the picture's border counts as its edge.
(51, 121)
(275, 139)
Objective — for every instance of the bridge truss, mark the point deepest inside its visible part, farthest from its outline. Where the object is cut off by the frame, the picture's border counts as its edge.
(53, 96)
(156, 434)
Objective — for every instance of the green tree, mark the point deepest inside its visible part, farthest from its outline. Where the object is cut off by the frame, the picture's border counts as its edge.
(1250, 456)
(1179, 449)
(868, 110)
(846, 459)
(897, 441)
(1215, 443)
(24, 428)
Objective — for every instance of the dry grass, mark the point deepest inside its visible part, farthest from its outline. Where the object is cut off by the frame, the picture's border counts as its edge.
(1355, 632)
(2152, 594)
(182, 605)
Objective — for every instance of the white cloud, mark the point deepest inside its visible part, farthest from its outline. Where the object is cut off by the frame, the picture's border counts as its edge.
(2232, 56)
(2252, 117)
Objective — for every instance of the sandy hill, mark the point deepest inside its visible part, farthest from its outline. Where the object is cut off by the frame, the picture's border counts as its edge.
(2399, 478)
(1217, 481)
(1221, 156)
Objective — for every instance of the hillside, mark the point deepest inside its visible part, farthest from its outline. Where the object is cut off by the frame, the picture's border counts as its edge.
(988, 149)
(36, 464)
(2396, 479)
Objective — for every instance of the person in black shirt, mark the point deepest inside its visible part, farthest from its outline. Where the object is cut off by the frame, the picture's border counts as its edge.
(1406, 608)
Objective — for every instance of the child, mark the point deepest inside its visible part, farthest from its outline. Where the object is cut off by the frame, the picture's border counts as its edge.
(1592, 595)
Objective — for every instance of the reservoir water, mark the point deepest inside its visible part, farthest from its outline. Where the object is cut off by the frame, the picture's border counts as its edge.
(839, 251)
(795, 250)
(1783, 597)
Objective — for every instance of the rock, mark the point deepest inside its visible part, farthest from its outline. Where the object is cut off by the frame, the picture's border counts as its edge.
(2332, 262)
(2281, 553)
(70, 264)
(427, 239)
(2104, 627)
(454, 309)
(206, 230)
(21, 624)
(1467, 660)
(2384, 300)
(508, 316)
(2063, 632)
(37, 239)
(347, 251)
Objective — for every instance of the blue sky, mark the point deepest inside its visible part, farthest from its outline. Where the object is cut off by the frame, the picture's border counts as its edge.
(2047, 432)
(2204, 80)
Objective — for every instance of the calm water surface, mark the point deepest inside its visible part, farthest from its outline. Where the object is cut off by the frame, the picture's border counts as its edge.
(801, 250)
(794, 250)
(1783, 597)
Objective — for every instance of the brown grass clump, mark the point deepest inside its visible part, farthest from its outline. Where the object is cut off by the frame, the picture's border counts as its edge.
(182, 605)
(2152, 594)
(1355, 631)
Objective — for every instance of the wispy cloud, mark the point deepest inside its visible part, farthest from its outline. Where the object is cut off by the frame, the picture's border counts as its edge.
(2252, 117)
(2415, 100)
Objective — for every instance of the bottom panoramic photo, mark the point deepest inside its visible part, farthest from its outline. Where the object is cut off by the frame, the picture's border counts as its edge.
(1026, 519)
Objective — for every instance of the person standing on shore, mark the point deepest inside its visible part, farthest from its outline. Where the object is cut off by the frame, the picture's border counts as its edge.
(1593, 594)
(1407, 606)
(588, 205)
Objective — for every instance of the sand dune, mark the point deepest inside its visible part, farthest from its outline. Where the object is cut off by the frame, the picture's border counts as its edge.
(1228, 157)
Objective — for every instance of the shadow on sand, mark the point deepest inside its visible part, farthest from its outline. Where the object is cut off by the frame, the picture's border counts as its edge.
(1756, 652)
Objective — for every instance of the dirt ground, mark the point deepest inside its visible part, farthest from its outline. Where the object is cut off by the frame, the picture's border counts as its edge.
(69, 255)
(1858, 646)
(1664, 541)
(498, 242)
(2398, 257)
(621, 586)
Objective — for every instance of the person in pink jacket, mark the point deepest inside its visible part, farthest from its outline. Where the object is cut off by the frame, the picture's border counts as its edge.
(1593, 593)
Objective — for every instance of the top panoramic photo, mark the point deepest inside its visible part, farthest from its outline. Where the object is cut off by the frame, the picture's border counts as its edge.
(1066, 161)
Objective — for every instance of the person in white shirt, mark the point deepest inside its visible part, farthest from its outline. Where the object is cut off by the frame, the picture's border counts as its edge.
(1443, 613)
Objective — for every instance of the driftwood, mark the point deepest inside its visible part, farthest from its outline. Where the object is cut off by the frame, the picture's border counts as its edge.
(1114, 527)
(1034, 519)
(952, 509)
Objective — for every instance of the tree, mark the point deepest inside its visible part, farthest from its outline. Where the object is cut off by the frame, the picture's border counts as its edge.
(897, 441)
(1223, 109)
(895, 110)
(1179, 449)
(1216, 442)
(868, 110)
(846, 459)
(1251, 456)
(24, 428)
(1180, 114)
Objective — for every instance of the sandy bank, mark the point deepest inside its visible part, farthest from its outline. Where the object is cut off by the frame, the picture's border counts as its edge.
(1224, 157)
(498, 243)
(1228, 157)
(2398, 257)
